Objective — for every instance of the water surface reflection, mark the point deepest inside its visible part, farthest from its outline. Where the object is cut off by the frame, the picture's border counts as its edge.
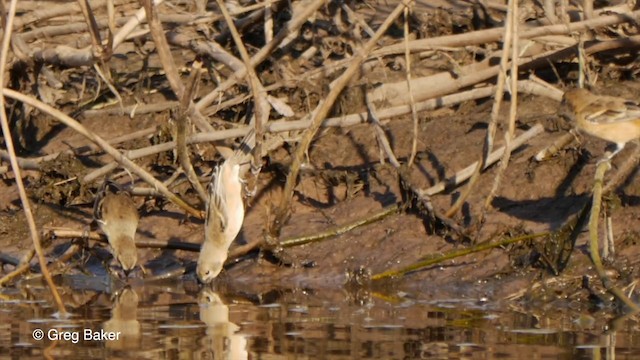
(183, 321)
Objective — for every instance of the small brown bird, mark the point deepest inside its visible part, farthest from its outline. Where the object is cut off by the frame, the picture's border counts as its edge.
(613, 119)
(117, 215)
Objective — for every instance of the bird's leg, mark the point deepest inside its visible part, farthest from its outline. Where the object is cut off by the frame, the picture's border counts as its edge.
(609, 155)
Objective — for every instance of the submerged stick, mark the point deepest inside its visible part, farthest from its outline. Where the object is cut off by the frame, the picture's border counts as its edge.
(454, 254)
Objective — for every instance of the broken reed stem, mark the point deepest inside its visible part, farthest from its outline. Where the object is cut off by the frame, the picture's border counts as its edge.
(117, 156)
(412, 102)
(493, 123)
(513, 108)
(594, 250)
(454, 254)
(6, 132)
(162, 48)
(262, 106)
(181, 132)
(318, 116)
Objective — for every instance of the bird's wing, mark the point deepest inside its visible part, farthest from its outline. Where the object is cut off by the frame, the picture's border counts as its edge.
(216, 206)
(610, 109)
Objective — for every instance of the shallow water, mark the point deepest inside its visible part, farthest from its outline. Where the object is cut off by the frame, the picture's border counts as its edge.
(180, 320)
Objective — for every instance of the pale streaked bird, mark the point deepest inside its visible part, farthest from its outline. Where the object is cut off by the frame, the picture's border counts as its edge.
(225, 214)
(117, 215)
(610, 118)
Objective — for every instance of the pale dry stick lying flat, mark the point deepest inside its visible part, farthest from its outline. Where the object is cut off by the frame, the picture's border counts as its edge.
(119, 157)
(131, 110)
(492, 35)
(394, 93)
(318, 116)
(24, 199)
(466, 173)
(343, 121)
(51, 31)
(45, 13)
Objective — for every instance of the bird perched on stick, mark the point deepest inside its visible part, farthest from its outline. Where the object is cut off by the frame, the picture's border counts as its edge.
(225, 212)
(610, 118)
(117, 215)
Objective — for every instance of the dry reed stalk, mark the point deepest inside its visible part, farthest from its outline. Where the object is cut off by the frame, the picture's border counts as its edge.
(262, 106)
(412, 101)
(181, 121)
(513, 108)
(318, 116)
(6, 132)
(119, 157)
(342, 121)
(495, 112)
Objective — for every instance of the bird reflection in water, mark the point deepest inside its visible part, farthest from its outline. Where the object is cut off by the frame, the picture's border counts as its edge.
(222, 337)
(124, 320)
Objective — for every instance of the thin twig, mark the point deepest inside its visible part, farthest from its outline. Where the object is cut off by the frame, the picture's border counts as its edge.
(262, 106)
(119, 157)
(412, 101)
(6, 132)
(513, 108)
(493, 123)
(308, 8)
(594, 250)
(181, 132)
(318, 115)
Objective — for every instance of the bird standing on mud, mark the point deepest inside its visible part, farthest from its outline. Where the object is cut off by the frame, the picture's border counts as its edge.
(117, 215)
(613, 119)
(225, 211)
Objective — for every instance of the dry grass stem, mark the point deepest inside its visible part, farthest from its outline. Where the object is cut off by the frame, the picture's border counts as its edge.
(119, 157)
(24, 199)
(318, 115)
